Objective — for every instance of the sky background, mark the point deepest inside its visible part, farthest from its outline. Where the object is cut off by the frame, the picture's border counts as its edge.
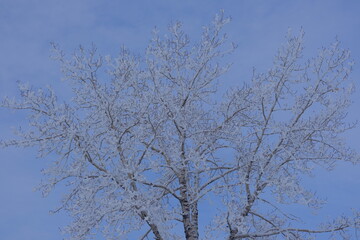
(258, 27)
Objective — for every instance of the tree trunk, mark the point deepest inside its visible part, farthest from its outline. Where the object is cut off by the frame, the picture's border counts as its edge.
(189, 211)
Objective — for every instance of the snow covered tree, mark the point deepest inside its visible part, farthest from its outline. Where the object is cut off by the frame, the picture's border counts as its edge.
(145, 141)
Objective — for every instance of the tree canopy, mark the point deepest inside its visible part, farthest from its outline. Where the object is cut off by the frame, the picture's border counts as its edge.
(145, 141)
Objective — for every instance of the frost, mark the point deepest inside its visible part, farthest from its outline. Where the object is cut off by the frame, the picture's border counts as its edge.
(142, 143)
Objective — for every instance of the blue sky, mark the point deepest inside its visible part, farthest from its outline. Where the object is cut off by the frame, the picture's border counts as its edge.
(258, 27)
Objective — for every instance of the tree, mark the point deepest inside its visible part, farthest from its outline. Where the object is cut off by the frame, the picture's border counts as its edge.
(143, 142)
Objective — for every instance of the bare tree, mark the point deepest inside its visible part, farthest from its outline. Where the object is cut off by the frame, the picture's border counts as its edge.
(143, 142)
